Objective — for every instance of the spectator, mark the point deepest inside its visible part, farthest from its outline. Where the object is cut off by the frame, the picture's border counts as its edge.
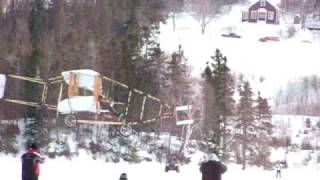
(30, 163)
(278, 169)
(212, 168)
(123, 176)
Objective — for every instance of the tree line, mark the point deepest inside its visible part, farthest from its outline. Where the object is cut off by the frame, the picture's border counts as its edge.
(299, 96)
(238, 128)
(119, 39)
(41, 39)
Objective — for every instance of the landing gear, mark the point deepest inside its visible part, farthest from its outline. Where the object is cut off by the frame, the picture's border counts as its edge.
(125, 130)
(70, 120)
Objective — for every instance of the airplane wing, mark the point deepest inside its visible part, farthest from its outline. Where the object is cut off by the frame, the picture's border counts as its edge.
(77, 104)
(86, 77)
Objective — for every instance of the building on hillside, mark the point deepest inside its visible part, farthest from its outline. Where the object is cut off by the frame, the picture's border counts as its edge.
(261, 11)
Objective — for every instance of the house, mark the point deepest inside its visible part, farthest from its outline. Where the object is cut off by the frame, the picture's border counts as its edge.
(261, 11)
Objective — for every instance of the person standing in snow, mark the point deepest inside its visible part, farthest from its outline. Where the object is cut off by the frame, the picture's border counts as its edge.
(123, 176)
(30, 163)
(212, 168)
(278, 170)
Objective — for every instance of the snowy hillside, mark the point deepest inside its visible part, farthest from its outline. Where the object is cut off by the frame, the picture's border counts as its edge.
(303, 133)
(83, 166)
(277, 62)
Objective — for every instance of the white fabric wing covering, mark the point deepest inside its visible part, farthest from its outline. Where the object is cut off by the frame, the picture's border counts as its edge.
(86, 77)
(2, 85)
(184, 122)
(183, 108)
(77, 104)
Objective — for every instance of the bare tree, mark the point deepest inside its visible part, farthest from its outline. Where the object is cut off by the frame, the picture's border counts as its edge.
(174, 7)
(205, 10)
(301, 7)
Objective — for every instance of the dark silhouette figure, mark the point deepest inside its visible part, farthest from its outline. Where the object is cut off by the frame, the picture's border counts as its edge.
(278, 168)
(30, 163)
(212, 170)
(123, 176)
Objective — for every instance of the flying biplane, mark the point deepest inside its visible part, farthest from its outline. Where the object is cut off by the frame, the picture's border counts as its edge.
(81, 99)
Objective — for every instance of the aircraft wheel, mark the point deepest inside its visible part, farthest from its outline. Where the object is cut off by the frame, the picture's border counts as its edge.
(70, 119)
(125, 130)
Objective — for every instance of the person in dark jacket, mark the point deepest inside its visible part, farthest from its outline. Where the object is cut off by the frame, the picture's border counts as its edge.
(30, 163)
(212, 169)
(123, 176)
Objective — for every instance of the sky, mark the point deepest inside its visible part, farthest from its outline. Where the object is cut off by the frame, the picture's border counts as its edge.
(277, 62)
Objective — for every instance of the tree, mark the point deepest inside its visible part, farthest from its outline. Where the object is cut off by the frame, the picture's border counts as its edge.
(302, 7)
(219, 86)
(209, 102)
(177, 89)
(245, 122)
(205, 10)
(174, 7)
(8, 134)
(299, 96)
(263, 118)
(41, 38)
(35, 130)
(178, 76)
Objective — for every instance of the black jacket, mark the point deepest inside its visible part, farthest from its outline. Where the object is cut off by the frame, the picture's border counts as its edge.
(30, 164)
(212, 170)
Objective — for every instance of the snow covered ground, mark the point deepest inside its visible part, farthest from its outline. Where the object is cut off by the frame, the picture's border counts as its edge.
(277, 62)
(85, 168)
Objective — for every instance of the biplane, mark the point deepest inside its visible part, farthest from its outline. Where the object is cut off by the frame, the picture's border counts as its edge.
(81, 98)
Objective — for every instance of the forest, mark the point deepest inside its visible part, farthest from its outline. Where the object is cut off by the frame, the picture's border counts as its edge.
(118, 38)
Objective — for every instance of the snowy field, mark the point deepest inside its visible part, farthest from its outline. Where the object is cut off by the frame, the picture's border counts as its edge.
(84, 168)
(277, 62)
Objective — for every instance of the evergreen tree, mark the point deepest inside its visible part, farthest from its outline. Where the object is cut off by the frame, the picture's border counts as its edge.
(179, 92)
(263, 118)
(209, 102)
(246, 127)
(221, 88)
(8, 134)
(150, 70)
(41, 38)
(263, 113)
(36, 26)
